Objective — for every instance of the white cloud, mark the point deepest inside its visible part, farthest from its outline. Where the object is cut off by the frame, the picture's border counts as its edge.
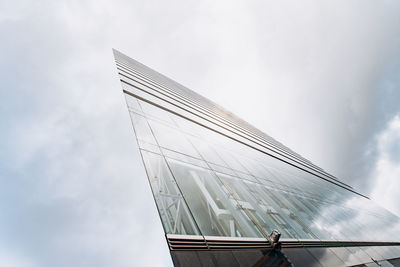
(318, 76)
(7, 259)
(387, 167)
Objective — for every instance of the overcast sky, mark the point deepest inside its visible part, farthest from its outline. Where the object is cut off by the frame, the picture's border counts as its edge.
(322, 77)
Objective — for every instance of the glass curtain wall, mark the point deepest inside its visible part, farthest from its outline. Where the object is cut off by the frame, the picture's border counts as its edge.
(207, 184)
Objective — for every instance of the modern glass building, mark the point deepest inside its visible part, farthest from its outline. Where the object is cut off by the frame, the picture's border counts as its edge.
(226, 192)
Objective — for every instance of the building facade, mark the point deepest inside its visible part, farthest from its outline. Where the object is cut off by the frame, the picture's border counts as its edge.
(230, 195)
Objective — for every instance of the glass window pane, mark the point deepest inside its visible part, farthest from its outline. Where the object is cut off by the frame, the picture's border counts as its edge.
(172, 139)
(142, 129)
(172, 208)
(212, 206)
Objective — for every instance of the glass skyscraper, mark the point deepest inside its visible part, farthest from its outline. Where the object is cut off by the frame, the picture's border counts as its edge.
(226, 192)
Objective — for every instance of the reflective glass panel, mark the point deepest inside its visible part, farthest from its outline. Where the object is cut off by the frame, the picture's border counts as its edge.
(213, 174)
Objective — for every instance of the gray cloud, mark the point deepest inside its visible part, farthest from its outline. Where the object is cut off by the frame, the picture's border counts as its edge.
(386, 169)
(320, 77)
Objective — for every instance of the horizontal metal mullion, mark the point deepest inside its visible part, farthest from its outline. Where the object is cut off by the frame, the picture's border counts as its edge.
(338, 183)
(281, 147)
(223, 244)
